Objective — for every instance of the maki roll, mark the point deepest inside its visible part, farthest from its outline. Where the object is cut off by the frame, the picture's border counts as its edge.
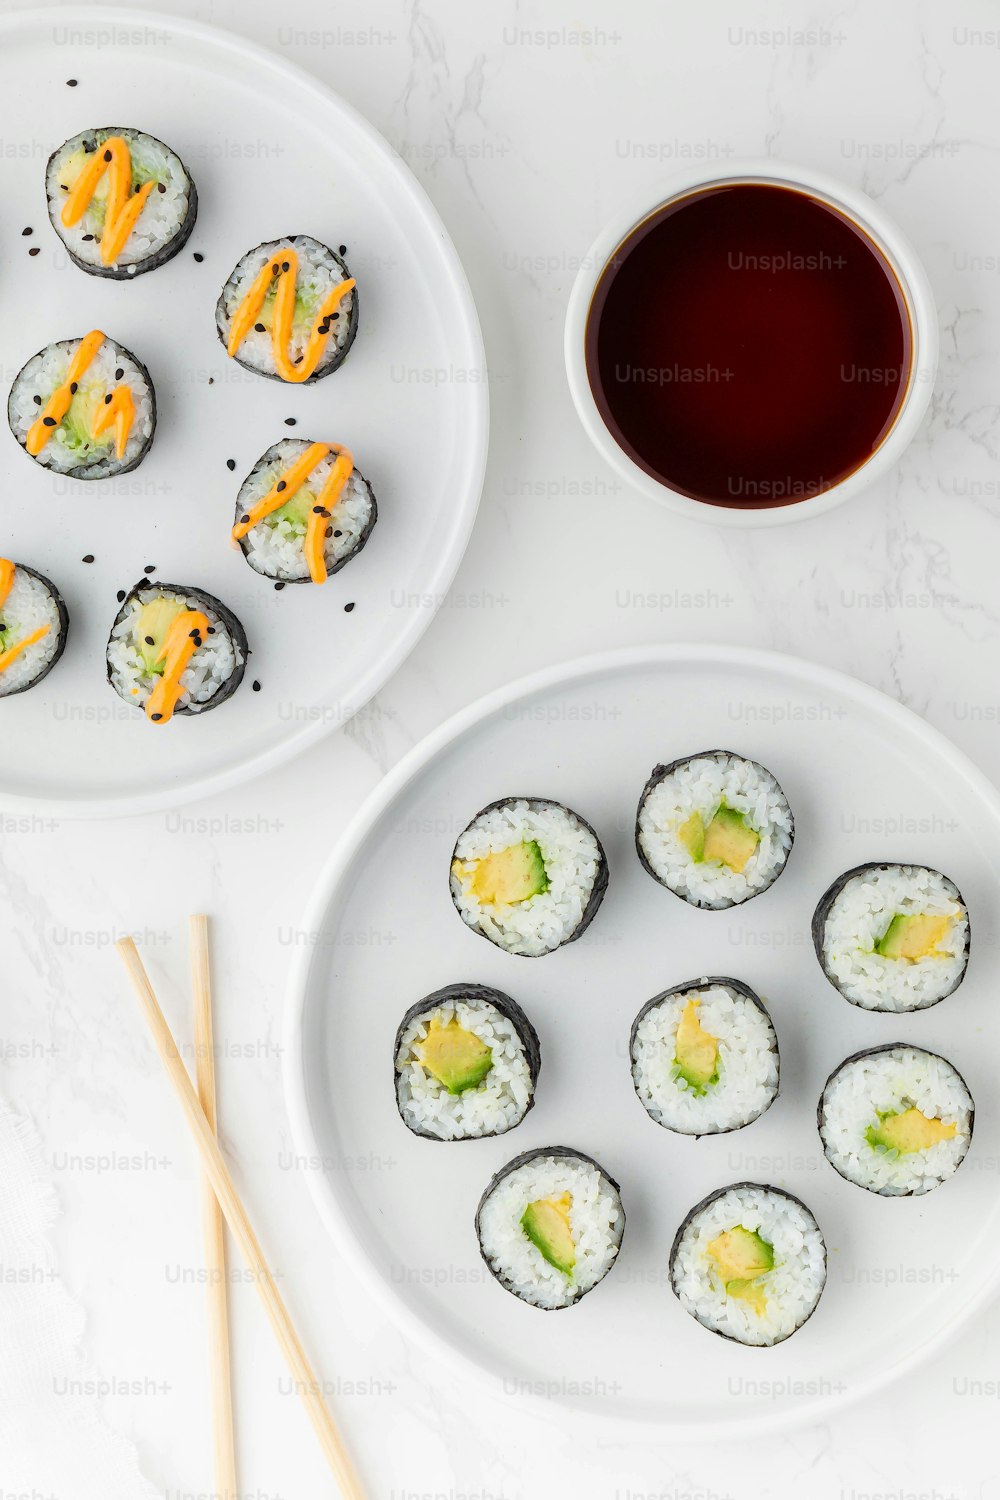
(705, 1057)
(550, 1225)
(84, 407)
(892, 937)
(467, 1060)
(34, 624)
(175, 650)
(528, 874)
(714, 828)
(749, 1263)
(120, 200)
(303, 511)
(896, 1120)
(289, 310)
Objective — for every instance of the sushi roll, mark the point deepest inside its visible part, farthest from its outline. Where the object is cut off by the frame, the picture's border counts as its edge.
(705, 1057)
(749, 1263)
(34, 624)
(175, 650)
(467, 1060)
(120, 200)
(550, 1225)
(84, 407)
(892, 937)
(303, 511)
(896, 1120)
(528, 874)
(714, 828)
(289, 310)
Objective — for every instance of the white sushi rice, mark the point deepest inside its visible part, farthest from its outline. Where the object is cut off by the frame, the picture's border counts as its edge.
(748, 1063)
(791, 1290)
(700, 785)
(318, 273)
(63, 453)
(495, 1105)
(889, 1082)
(276, 548)
(596, 1224)
(28, 605)
(209, 669)
(163, 214)
(572, 859)
(859, 917)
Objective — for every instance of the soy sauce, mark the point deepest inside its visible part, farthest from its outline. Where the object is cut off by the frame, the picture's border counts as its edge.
(749, 345)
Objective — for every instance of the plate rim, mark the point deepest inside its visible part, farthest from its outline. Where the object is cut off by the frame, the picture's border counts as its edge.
(348, 845)
(449, 559)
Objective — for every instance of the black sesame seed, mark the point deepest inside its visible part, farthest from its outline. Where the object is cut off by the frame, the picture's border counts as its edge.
(256, 687)
(66, 190)
(107, 156)
(275, 268)
(150, 569)
(281, 485)
(335, 316)
(37, 400)
(211, 630)
(161, 187)
(198, 256)
(338, 533)
(72, 390)
(244, 520)
(27, 231)
(107, 400)
(318, 510)
(343, 249)
(278, 586)
(121, 596)
(230, 464)
(329, 531)
(258, 327)
(348, 608)
(211, 380)
(35, 250)
(71, 83)
(89, 557)
(156, 718)
(284, 265)
(119, 374)
(289, 421)
(193, 635)
(149, 640)
(48, 421)
(88, 236)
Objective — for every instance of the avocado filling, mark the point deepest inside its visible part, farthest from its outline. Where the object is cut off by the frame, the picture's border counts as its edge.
(727, 837)
(546, 1223)
(457, 1058)
(507, 877)
(155, 620)
(696, 1056)
(911, 936)
(902, 1132)
(742, 1259)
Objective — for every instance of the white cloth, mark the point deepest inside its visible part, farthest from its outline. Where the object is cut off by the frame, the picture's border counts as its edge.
(53, 1441)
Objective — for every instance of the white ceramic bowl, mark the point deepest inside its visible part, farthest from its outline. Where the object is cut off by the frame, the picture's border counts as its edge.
(869, 217)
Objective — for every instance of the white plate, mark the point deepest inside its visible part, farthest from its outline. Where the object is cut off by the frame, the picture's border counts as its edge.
(272, 152)
(866, 779)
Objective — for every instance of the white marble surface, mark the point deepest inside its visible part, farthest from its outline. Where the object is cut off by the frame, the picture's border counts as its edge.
(527, 124)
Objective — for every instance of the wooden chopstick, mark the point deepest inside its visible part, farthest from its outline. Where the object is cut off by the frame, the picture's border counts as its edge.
(306, 1383)
(220, 1373)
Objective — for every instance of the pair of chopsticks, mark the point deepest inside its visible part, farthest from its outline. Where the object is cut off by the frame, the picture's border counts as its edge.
(223, 1199)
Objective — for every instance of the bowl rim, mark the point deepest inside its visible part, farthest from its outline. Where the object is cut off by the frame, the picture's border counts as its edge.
(872, 220)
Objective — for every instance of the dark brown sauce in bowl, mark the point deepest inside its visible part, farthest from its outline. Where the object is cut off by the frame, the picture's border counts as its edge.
(749, 345)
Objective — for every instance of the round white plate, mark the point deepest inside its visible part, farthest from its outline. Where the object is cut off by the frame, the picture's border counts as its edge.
(272, 152)
(867, 780)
